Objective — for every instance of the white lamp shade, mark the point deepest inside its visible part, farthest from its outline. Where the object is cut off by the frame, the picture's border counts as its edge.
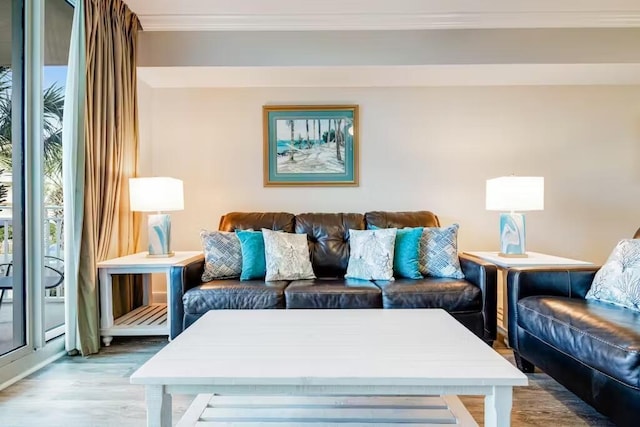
(156, 194)
(515, 193)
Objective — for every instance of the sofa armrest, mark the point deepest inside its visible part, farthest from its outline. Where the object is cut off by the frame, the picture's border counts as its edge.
(183, 278)
(483, 275)
(522, 282)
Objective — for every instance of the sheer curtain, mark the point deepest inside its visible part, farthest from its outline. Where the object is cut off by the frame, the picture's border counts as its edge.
(101, 225)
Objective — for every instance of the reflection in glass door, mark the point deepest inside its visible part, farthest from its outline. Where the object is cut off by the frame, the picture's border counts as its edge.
(13, 333)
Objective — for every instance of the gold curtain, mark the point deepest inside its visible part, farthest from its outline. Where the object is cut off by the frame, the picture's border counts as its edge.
(109, 227)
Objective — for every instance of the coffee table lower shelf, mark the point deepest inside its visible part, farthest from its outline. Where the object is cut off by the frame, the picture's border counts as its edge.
(208, 410)
(146, 320)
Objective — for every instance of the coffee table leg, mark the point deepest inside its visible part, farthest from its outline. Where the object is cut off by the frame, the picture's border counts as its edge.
(158, 406)
(497, 407)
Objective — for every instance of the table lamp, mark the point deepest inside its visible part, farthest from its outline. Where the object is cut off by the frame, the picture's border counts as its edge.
(155, 195)
(514, 193)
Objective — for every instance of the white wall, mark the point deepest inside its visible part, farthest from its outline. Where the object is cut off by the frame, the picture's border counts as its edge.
(421, 148)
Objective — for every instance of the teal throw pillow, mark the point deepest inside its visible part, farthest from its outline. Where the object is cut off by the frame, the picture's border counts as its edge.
(406, 258)
(254, 265)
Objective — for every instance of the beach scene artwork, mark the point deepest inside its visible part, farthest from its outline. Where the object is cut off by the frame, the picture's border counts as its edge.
(312, 145)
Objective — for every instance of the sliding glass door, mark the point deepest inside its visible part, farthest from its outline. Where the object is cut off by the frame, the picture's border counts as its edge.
(34, 46)
(13, 295)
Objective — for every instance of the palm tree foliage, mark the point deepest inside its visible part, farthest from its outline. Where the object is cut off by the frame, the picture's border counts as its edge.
(53, 103)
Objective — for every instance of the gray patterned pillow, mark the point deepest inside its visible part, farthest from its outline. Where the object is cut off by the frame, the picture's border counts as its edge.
(222, 255)
(439, 252)
(371, 256)
(287, 256)
(618, 281)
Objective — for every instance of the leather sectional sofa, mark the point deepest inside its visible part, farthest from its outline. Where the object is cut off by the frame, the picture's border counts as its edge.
(471, 300)
(590, 347)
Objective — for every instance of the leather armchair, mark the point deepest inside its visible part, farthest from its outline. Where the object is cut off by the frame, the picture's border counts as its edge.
(590, 347)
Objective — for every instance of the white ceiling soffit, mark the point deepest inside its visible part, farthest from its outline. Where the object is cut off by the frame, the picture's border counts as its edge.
(392, 76)
(300, 15)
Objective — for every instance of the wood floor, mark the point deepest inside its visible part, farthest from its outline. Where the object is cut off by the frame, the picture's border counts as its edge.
(95, 391)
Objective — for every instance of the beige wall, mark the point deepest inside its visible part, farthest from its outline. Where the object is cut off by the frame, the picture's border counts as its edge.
(421, 148)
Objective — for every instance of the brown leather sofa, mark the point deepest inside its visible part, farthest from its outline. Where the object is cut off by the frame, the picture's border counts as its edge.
(471, 300)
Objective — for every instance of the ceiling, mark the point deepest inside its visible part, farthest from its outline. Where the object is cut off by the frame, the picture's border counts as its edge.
(197, 18)
(299, 15)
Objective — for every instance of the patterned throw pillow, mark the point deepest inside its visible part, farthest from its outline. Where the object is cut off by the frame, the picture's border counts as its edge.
(371, 256)
(222, 255)
(439, 252)
(287, 256)
(407, 252)
(618, 281)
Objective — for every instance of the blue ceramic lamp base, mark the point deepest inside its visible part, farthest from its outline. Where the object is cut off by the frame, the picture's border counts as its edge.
(159, 227)
(512, 235)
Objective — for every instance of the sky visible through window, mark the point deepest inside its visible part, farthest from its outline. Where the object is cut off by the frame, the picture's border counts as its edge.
(55, 74)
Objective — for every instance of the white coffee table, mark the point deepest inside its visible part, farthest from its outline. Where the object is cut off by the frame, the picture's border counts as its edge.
(328, 352)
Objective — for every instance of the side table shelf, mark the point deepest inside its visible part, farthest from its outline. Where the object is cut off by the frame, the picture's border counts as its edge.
(150, 319)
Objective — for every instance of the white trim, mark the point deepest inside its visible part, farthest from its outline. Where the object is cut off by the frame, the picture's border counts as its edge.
(389, 21)
(392, 76)
(27, 365)
(12, 356)
(33, 169)
(54, 332)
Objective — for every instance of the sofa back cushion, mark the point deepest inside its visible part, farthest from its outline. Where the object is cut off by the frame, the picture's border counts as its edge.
(328, 237)
(382, 219)
(257, 220)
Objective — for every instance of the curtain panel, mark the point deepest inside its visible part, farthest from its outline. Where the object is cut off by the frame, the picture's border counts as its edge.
(109, 228)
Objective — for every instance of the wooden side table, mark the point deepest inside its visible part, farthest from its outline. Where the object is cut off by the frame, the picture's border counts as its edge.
(150, 319)
(503, 264)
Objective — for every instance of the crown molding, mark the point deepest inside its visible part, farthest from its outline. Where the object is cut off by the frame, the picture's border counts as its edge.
(380, 21)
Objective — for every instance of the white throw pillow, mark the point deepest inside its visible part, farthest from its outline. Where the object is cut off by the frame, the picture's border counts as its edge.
(371, 256)
(287, 256)
(618, 281)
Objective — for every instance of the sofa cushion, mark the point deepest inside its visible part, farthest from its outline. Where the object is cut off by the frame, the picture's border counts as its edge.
(257, 220)
(618, 281)
(287, 256)
(382, 219)
(328, 237)
(600, 335)
(455, 296)
(234, 294)
(371, 256)
(333, 293)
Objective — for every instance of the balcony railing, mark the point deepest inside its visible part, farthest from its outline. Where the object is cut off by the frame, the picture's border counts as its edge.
(53, 241)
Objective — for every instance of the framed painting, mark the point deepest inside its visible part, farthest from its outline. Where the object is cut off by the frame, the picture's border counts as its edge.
(312, 145)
